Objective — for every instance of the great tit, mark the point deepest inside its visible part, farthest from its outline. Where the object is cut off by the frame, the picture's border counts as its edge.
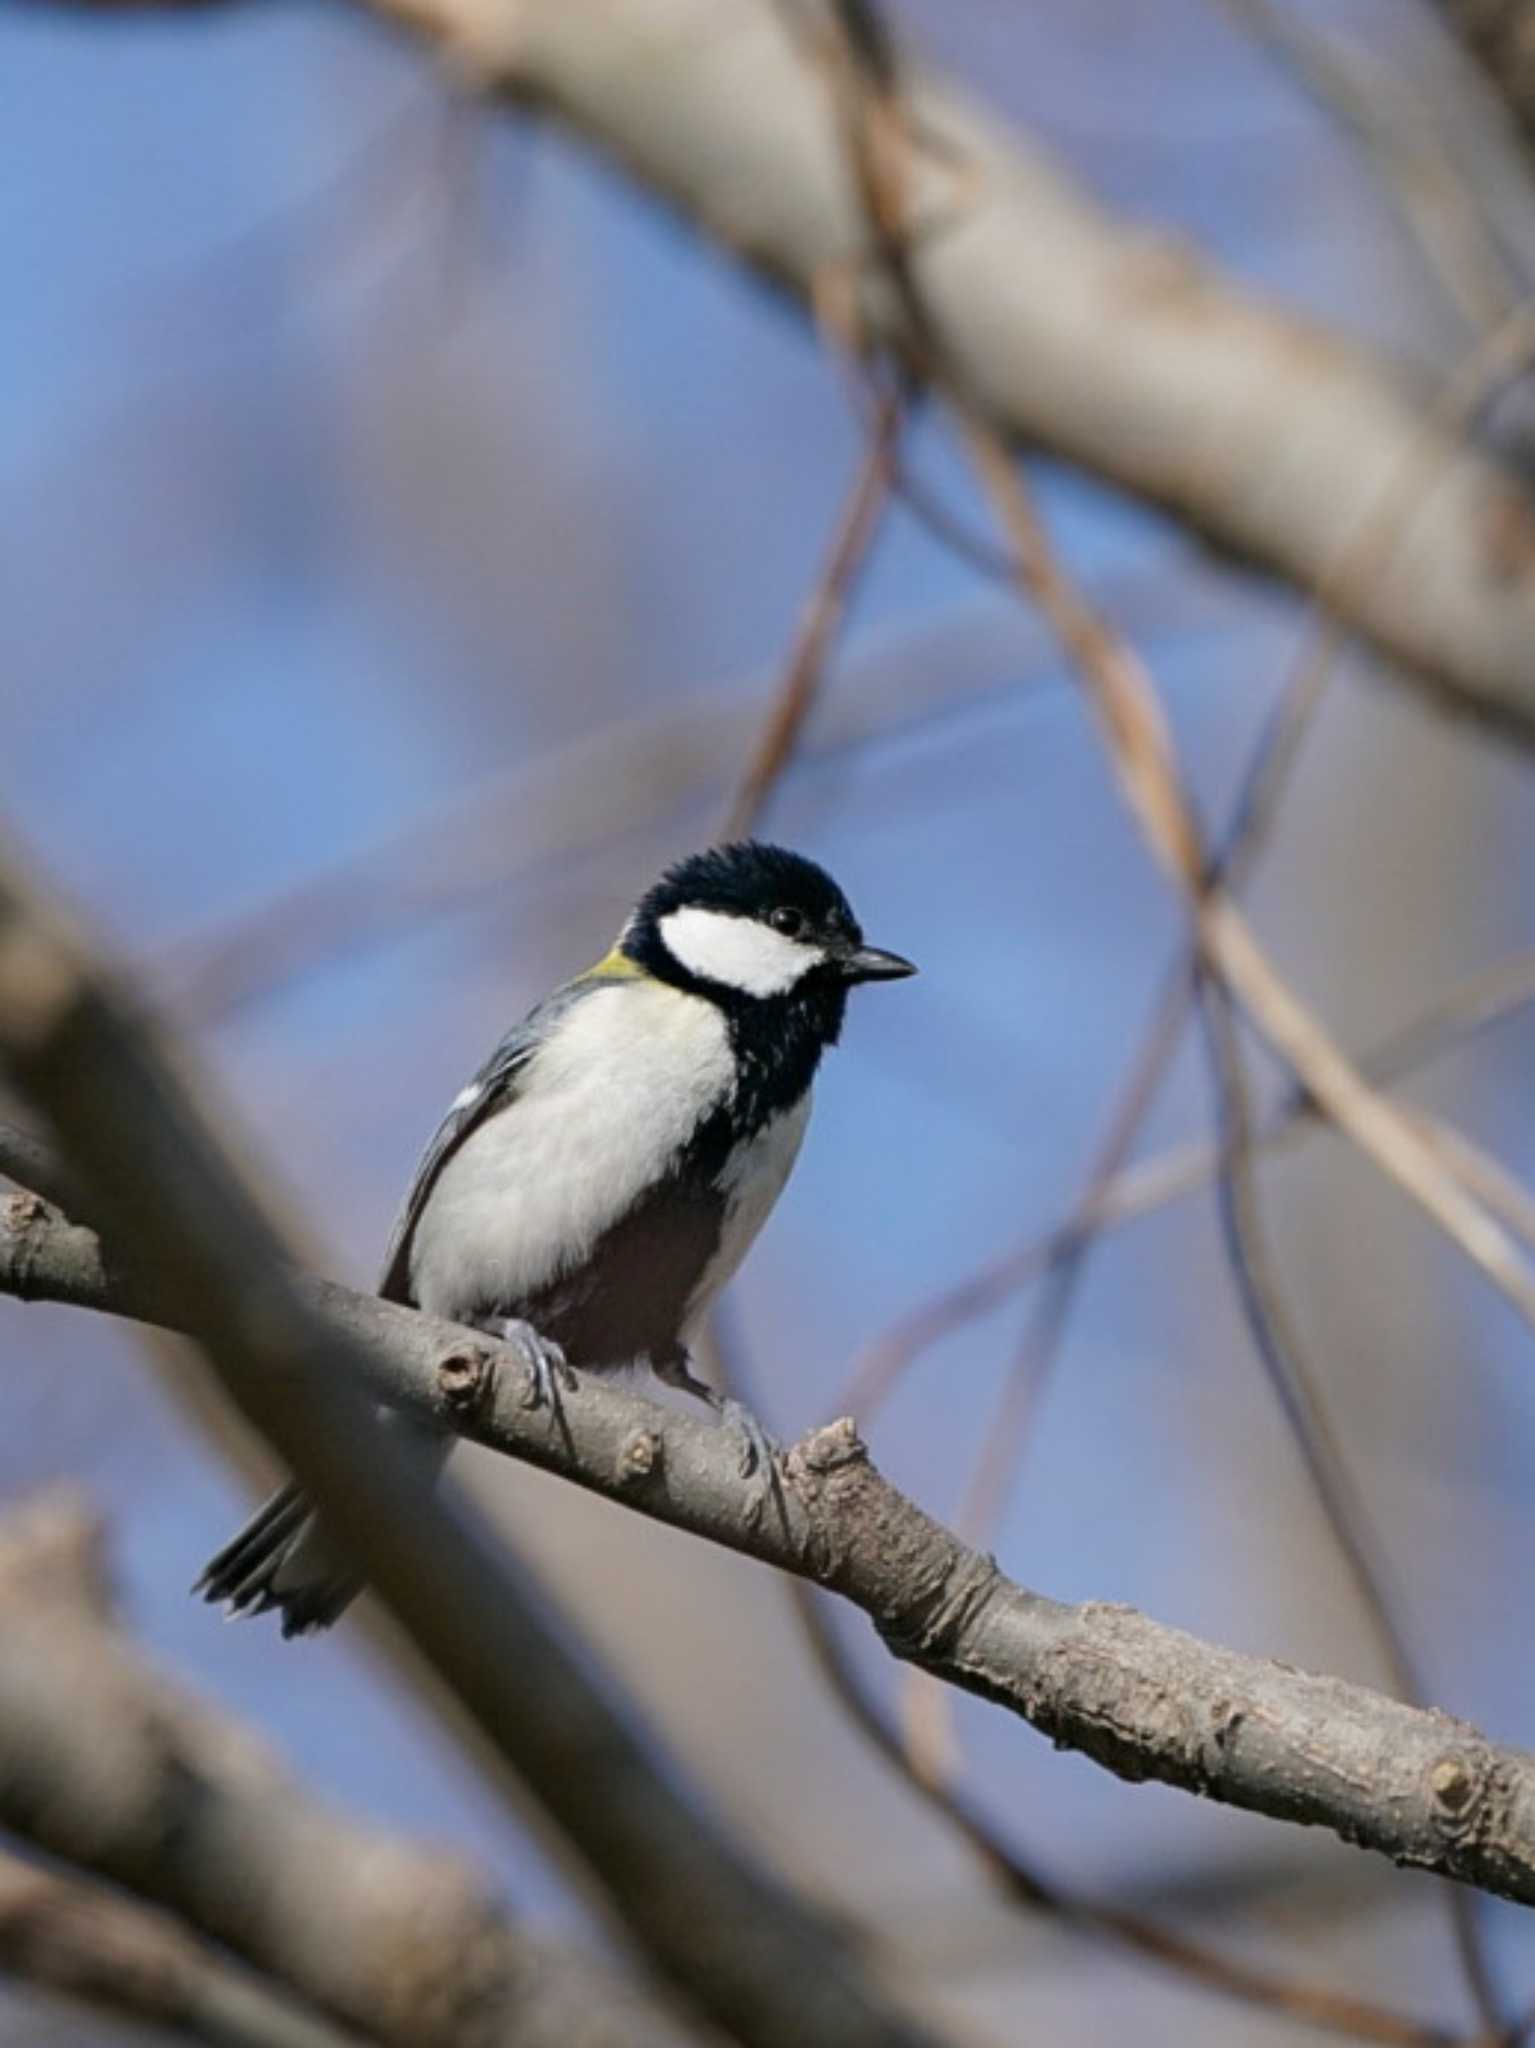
(604, 1173)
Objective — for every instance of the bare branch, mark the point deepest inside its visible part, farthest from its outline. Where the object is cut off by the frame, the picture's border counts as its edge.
(82, 1942)
(1471, 1006)
(632, 775)
(1297, 1389)
(1466, 390)
(1397, 130)
(1501, 35)
(1143, 1700)
(111, 1768)
(881, 124)
(1114, 348)
(857, 527)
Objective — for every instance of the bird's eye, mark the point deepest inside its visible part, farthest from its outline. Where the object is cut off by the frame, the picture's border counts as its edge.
(789, 921)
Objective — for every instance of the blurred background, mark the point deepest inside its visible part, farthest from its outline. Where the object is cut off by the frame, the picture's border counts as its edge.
(405, 525)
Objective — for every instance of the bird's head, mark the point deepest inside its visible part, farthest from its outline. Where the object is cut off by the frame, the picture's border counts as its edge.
(752, 925)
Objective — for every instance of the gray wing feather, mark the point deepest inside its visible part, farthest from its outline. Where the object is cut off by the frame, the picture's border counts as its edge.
(494, 1089)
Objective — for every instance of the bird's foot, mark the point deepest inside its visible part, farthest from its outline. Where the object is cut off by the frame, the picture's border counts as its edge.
(757, 1456)
(758, 1459)
(758, 1451)
(548, 1373)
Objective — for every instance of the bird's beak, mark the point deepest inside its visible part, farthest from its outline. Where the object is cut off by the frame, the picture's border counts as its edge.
(870, 963)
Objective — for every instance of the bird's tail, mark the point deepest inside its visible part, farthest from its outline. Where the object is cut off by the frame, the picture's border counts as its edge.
(281, 1559)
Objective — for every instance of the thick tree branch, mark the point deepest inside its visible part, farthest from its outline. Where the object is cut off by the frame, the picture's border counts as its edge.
(83, 1942)
(1145, 1701)
(1109, 345)
(1500, 34)
(105, 1764)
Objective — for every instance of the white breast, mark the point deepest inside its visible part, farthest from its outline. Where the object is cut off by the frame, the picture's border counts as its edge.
(619, 1089)
(752, 1180)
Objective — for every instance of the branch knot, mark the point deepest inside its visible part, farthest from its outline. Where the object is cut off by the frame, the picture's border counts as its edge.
(639, 1455)
(826, 1450)
(466, 1380)
(1460, 1787)
(20, 1214)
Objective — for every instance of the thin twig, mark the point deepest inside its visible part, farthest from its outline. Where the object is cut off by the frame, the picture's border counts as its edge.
(878, 141)
(1135, 731)
(877, 135)
(1297, 1389)
(821, 618)
(1256, 806)
(1503, 352)
(1470, 1007)
(1127, 705)
(1397, 130)
(636, 774)
(927, 1717)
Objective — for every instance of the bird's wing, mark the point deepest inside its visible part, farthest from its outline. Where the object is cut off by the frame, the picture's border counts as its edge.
(493, 1089)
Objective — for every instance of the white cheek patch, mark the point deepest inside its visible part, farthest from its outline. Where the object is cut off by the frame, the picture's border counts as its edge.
(737, 951)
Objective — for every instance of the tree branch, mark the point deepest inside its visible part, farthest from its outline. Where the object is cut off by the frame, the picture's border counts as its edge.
(1500, 34)
(1111, 346)
(1143, 1700)
(109, 1767)
(820, 619)
(82, 1942)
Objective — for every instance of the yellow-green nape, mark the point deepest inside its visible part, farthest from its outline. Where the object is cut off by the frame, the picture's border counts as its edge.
(615, 966)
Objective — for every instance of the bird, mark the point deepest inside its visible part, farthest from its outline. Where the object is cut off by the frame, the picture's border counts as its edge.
(597, 1182)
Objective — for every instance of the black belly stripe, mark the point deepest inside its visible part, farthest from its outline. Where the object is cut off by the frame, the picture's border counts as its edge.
(625, 1304)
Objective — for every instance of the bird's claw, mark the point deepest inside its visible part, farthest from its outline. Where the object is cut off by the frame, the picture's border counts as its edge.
(758, 1449)
(757, 1455)
(758, 1460)
(547, 1369)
